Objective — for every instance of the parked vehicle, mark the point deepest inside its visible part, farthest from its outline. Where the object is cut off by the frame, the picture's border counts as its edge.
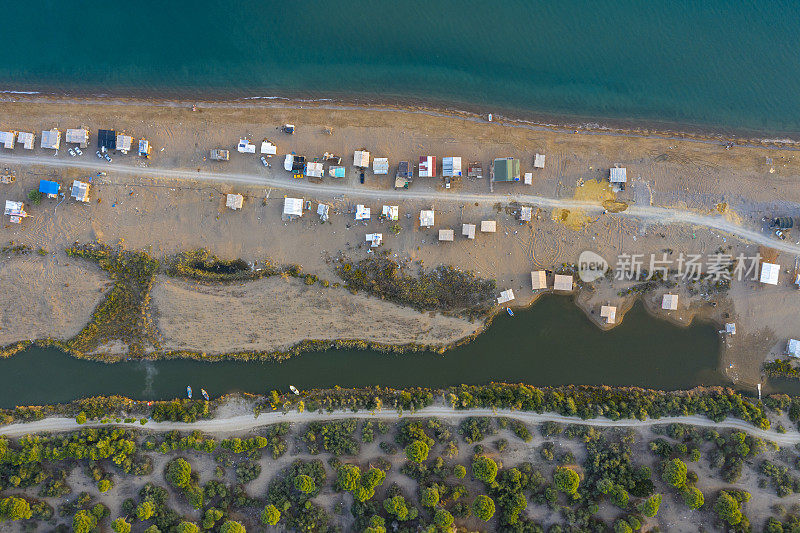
(71, 152)
(108, 157)
(99, 155)
(78, 151)
(264, 161)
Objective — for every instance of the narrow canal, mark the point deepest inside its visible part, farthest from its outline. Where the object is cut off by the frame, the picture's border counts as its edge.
(553, 343)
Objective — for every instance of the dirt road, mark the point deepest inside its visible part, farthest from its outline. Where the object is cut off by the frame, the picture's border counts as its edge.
(656, 214)
(244, 423)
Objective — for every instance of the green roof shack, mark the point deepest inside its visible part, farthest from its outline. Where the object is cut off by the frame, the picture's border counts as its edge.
(505, 169)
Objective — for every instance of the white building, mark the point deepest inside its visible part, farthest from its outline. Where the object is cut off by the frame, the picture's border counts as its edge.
(526, 213)
(769, 273)
(361, 159)
(234, 201)
(292, 207)
(7, 139)
(80, 191)
(78, 136)
(538, 161)
(426, 218)
(15, 210)
(391, 212)
(380, 166)
(363, 212)
(314, 169)
(793, 348)
(375, 239)
(124, 143)
(427, 166)
(468, 231)
(538, 280)
(669, 302)
(451, 167)
(322, 211)
(505, 296)
(51, 139)
(145, 148)
(245, 147)
(528, 180)
(488, 226)
(609, 313)
(446, 235)
(267, 148)
(563, 282)
(27, 139)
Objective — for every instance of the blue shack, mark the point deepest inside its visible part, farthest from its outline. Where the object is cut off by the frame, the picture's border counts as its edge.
(50, 188)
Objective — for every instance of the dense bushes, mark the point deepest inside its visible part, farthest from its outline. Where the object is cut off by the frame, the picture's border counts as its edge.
(335, 437)
(445, 288)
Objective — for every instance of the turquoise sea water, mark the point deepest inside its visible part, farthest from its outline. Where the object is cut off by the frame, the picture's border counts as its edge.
(713, 63)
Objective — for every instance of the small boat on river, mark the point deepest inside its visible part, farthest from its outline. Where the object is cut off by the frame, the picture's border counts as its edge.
(189, 391)
(204, 393)
(294, 390)
(510, 312)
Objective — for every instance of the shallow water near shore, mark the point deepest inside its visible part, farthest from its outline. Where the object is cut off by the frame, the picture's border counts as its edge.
(713, 63)
(552, 343)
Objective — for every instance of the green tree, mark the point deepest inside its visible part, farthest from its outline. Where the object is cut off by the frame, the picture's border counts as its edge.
(483, 507)
(674, 473)
(484, 468)
(187, 527)
(83, 522)
(566, 480)
(81, 418)
(621, 526)
(152, 529)
(619, 496)
(429, 497)
(727, 508)
(692, 497)
(35, 197)
(398, 507)
(13, 508)
(459, 471)
(179, 473)
(650, 506)
(417, 451)
(376, 525)
(211, 517)
(443, 519)
(232, 527)
(304, 484)
(270, 515)
(120, 525)
(104, 485)
(348, 477)
(145, 511)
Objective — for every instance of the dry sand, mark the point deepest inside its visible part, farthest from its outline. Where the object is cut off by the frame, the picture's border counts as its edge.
(741, 185)
(276, 313)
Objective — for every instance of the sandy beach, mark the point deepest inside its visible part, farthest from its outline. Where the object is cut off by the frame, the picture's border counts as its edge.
(137, 205)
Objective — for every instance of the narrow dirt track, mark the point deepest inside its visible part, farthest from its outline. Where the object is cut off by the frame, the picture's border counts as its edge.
(654, 214)
(244, 423)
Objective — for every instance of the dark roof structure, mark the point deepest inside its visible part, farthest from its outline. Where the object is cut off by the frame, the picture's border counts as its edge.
(107, 139)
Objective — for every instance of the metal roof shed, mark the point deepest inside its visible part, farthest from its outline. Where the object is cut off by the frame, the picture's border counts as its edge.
(426, 218)
(563, 282)
(80, 191)
(526, 213)
(78, 136)
(336, 172)
(361, 159)
(245, 147)
(793, 347)
(292, 207)
(505, 296)
(538, 280)
(375, 239)
(51, 139)
(488, 226)
(268, 148)
(391, 212)
(769, 273)
(16, 210)
(363, 212)
(451, 167)
(404, 170)
(468, 230)
(322, 211)
(234, 201)
(50, 188)
(107, 139)
(144, 148)
(446, 235)
(538, 161)
(380, 166)
(618, 175)
(505, 169)
(124, 143)
(427, 166)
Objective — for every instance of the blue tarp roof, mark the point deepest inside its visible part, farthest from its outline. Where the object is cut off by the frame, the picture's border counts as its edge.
(48, 187)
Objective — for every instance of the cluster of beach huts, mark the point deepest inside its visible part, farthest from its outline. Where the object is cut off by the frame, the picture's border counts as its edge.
(107, 141)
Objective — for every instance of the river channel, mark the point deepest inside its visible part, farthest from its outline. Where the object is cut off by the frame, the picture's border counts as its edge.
(552, 343)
